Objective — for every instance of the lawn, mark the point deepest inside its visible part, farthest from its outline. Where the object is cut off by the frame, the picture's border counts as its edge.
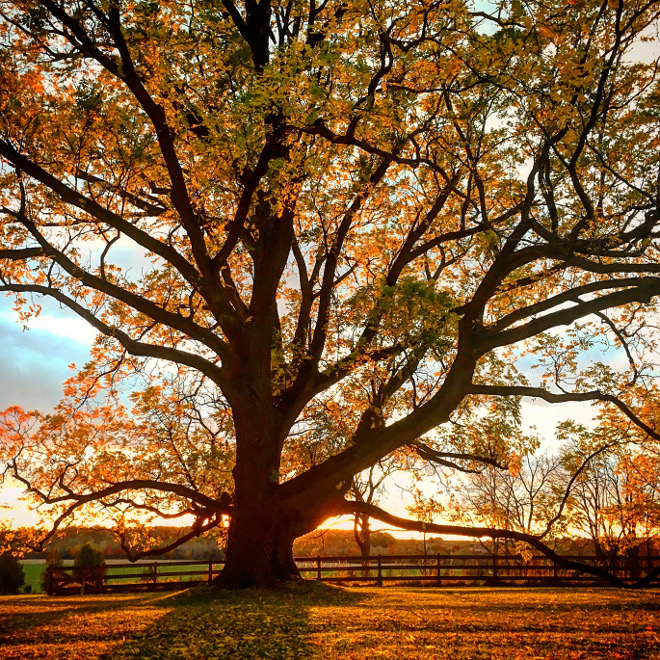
(33, 572)
(319, 621)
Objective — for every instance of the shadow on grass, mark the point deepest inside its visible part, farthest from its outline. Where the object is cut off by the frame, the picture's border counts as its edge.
(23, 613)
(209, 623)
(315, 620)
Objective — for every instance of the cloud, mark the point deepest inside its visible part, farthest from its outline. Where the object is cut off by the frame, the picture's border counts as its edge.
(541, 417)
(34, 363)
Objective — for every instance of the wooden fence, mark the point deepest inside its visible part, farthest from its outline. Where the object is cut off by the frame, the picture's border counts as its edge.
(438, 569)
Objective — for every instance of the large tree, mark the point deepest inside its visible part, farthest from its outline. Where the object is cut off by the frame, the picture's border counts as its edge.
(317, 231)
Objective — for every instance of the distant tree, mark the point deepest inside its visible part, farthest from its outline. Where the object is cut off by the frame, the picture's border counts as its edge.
(89, 563)
(615, 501)
(366, 488)
(89, 556)
(426, 509)
(522, 498)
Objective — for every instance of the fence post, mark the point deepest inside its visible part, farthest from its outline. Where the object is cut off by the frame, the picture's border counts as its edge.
(495, 568)
(99, 578)
(379, 581)
(437, 566)
(155, 572)
(210, 570)
(318, 567)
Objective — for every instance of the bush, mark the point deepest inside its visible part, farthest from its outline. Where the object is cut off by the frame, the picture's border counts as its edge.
(12, 577)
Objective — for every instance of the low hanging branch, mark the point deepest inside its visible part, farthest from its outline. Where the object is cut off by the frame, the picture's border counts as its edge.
(198, 528)
(208, 509)
(351, 507)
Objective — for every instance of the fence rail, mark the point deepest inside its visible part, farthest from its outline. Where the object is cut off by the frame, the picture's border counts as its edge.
(378, 569)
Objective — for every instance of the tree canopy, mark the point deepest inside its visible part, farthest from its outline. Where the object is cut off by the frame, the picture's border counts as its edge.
(312, 234)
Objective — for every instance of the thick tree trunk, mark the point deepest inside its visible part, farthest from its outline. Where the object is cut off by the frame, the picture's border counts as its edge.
(260, 544)
(259, 551)
(262, 528)
(263, 525)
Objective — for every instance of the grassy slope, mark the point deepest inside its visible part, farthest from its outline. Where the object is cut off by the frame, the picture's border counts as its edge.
(325, 622)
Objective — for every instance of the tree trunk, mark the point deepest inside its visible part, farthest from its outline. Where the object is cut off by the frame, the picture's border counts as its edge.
(262, 528)
(259, 551)
(362, 533)
(260, 543)
(264, 525)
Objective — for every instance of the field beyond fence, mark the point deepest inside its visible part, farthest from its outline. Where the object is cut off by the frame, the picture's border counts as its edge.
(489, 569)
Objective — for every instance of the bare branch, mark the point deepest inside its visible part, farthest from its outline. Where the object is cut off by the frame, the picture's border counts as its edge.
(540, 393)
(448, 458)
(198, 528)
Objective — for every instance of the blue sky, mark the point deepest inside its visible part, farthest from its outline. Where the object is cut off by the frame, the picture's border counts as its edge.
(34, 363)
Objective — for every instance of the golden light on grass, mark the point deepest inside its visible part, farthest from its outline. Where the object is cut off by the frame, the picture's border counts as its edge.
(317, 621)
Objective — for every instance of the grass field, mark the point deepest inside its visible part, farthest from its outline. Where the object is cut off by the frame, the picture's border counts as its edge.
(318, 621)
(33, 572)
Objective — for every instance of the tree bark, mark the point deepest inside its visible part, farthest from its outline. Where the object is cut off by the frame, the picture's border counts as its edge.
(259, 551)
(362, 534)
(260, 543)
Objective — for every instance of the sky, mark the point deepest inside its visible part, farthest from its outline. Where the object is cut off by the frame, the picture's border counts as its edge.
(33, 365)
(35, 362)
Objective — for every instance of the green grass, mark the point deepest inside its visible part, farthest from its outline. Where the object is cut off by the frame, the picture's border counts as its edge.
(319, 621)
(33, 573)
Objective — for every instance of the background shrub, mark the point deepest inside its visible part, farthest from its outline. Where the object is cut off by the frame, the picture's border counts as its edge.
(12, 577)
(89, 557)
(53, 560)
